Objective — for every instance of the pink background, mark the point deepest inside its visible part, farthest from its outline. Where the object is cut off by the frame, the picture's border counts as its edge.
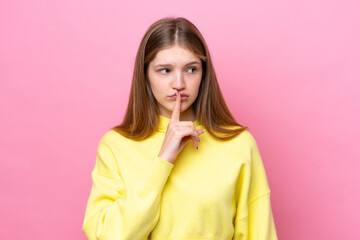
(288, 69)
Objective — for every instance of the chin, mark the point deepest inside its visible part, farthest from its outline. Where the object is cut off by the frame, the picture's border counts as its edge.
(182, 108)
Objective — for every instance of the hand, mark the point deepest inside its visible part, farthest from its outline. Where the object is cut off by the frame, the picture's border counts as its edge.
(178, 133)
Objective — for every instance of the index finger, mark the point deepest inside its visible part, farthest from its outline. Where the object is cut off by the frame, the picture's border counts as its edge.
(175, 116)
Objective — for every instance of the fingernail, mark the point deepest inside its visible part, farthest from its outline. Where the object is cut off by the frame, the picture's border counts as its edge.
(203, 130)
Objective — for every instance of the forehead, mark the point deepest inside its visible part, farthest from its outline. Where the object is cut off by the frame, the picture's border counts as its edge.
(175, 55)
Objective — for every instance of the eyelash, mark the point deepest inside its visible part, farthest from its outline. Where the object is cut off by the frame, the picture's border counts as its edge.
(194, 69)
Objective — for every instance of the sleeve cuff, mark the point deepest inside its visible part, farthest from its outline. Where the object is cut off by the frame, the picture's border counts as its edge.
(158, 173)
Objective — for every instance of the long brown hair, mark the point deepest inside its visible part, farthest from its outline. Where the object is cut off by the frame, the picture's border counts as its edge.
(141, 117)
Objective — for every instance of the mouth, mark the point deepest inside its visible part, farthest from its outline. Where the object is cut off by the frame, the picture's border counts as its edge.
(183, 96)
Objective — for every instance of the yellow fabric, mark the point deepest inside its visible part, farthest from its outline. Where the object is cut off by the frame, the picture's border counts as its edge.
(217, 192)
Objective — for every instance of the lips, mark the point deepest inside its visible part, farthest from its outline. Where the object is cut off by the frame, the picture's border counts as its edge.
(182, 95)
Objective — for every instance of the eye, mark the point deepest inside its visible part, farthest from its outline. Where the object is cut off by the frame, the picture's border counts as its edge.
(164, 69)
(194, 69)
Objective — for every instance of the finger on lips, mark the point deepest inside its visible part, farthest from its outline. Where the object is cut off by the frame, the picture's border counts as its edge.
(175, 117)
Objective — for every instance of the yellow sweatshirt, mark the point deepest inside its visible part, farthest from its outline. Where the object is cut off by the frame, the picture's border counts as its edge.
(217, 192)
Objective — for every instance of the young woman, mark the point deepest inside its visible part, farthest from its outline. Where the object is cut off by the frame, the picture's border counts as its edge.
(179, 166)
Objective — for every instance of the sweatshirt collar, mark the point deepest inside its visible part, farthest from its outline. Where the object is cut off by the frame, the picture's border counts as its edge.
(164, 122)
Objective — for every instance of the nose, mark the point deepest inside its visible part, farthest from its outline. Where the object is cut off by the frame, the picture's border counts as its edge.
(178, 82)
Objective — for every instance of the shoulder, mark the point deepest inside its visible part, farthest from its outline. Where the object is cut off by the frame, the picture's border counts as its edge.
(245, 139)
(240, 146)
(248, 137)
(113, 139)
(109, 136)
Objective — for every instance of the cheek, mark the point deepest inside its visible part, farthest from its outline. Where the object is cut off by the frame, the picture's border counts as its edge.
(195, 85)
(159, 91)
(154, 84)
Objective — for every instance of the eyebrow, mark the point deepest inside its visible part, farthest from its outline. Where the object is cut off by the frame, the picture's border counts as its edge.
(169, 65)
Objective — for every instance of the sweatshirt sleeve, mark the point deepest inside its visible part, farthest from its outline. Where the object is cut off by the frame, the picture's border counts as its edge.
(114, 211)
(256, 220)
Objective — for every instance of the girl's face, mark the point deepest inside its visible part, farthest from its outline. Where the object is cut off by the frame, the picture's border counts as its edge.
(175, 68)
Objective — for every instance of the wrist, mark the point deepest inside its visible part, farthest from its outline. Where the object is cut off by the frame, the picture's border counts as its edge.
(165, 158)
